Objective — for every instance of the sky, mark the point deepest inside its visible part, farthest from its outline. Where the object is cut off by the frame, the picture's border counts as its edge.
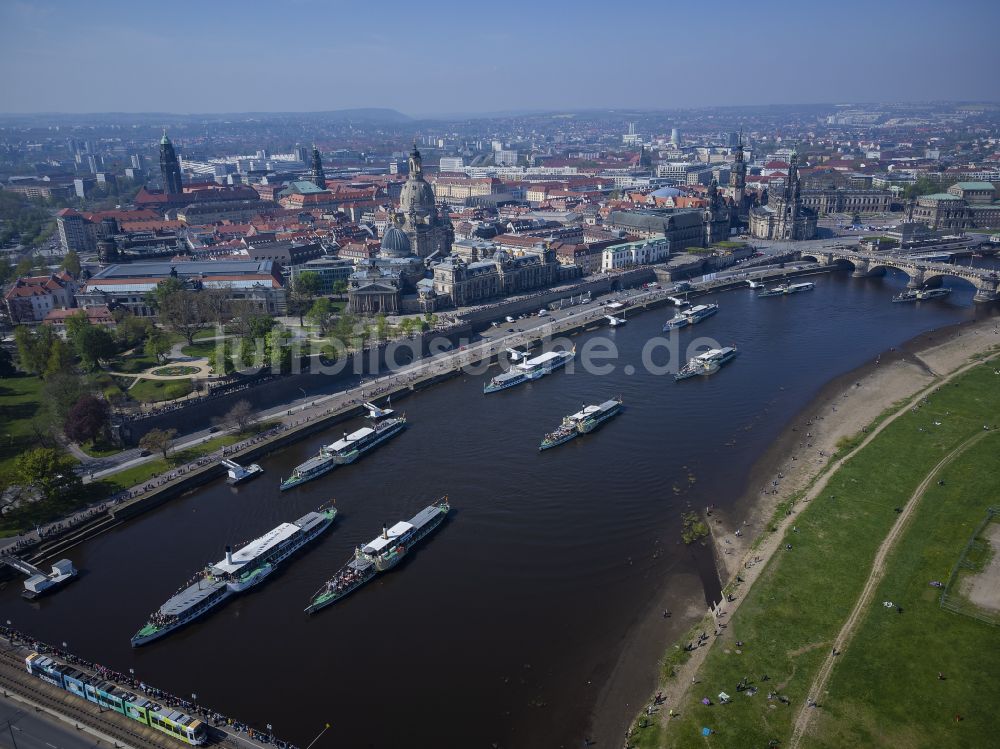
(432, 58)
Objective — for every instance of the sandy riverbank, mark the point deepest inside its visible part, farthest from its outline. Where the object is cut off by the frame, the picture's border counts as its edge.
(842, 409)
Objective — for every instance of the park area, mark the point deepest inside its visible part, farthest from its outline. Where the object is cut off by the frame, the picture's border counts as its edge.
(864, 568)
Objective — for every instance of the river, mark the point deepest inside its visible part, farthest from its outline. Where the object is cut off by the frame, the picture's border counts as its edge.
(502, 628)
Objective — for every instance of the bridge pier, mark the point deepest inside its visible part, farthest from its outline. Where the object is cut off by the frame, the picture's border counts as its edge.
(987, 291)
(861, 268)
(916, 279)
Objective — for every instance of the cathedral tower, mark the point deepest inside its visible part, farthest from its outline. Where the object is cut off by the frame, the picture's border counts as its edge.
(317, 177)
(170, 168)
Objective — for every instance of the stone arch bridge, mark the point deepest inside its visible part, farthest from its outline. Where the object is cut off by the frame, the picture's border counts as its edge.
(920, 272)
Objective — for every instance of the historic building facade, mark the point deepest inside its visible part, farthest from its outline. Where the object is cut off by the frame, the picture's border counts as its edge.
(838, 200)
(429, 232)
(966, 205)
(784, 216)
(460, 283)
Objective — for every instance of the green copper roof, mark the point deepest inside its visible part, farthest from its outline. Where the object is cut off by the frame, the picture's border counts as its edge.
(164, 141)
(939, 196)
(975, 185)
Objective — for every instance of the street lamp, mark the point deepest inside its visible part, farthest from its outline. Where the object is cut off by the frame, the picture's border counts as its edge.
(10, 727)
(325, 729)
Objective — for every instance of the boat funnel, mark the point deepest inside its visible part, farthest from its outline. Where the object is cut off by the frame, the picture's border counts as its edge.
(385, 531)
(229, 555)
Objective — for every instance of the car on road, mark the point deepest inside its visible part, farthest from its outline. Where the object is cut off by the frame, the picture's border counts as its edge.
(144, 453)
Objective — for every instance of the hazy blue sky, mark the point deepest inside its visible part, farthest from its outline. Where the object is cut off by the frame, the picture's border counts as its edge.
(428, 57)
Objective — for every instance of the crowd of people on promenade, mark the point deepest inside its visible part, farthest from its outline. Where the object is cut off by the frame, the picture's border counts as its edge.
(131, 683)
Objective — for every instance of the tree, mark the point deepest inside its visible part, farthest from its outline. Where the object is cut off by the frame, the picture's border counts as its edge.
(321, 314)
(221, 358)
(339, 287)
(278, 350)
(33, 347)
(158, 440)
(60, 392)
(305, 287)
(238, 417)
(6, 270)
(215, 306)
(164, 289)
(87, 420)
(181, 312)
(157, 344)
(48, 470)
(71, 263)
(93, 343)
(60, 359)
(24, 266)
(131, 330)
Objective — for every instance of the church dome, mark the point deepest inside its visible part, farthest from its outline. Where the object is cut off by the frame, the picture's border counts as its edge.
(395, 243)
(416, 195)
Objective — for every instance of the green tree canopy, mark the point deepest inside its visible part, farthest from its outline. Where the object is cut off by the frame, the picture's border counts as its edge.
(71, 263)
(49, 471)
(321, 314)
(93, 343)
(33, 347)
(157, 344)
(305, 287)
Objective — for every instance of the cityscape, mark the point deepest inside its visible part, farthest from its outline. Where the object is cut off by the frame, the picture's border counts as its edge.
(353, 397)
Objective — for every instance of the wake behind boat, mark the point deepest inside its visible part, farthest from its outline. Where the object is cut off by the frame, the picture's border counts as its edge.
(582, 422)
(380, 554)
(237, 572)
(529, 369)
(707, 363)
(349, 448)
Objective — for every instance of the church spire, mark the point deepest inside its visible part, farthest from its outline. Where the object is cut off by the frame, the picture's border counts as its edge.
(170, 168)
(317, 177)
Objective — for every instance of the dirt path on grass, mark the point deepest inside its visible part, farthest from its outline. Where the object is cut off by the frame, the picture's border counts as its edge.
(868, 592)
(953, 358)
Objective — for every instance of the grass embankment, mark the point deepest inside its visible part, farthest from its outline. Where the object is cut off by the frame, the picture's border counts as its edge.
(884, 690)
(793, 613)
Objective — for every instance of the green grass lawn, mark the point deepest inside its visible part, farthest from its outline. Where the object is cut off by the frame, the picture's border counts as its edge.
(132, 364)
(791, 616)
(153, 391)
(20, 402)
(100, 450)
(884, 690)
(200, 349)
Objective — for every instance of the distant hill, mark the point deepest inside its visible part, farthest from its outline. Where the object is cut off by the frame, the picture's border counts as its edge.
(368, 115)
